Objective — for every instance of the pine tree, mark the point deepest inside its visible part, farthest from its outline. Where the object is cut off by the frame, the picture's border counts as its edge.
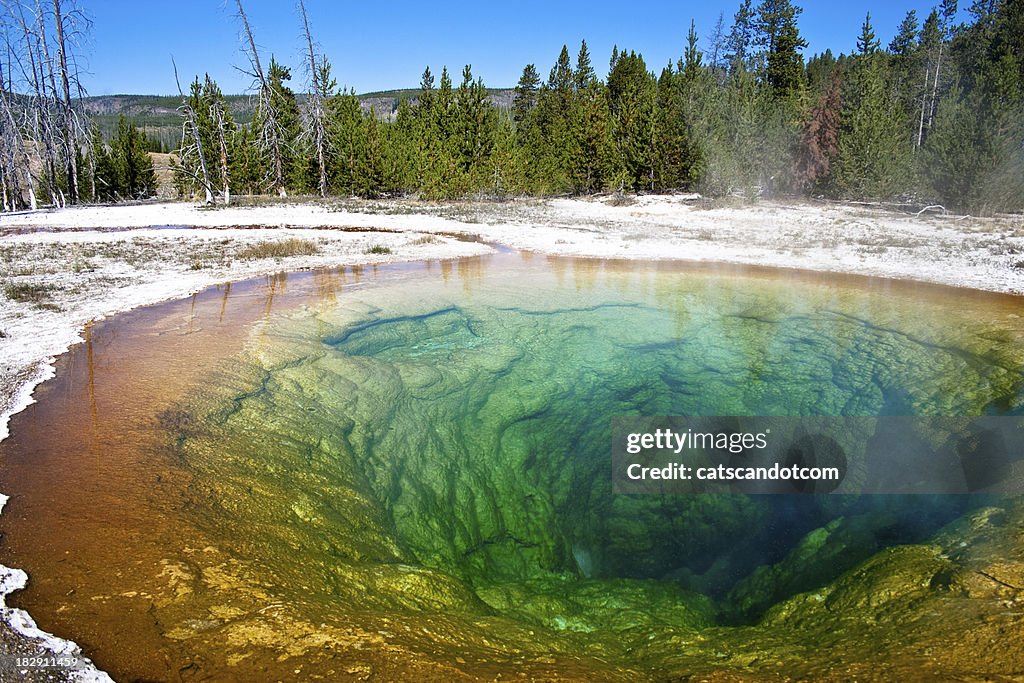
(740, 36)
(867, 43)
(426, 97)
(526, 94)
(631, 99)
(584, 73)
(951, 165)
(424, 129)
(443, 108)
(347, 139)
(675, 156)
(560, 80)
(369, 175)
(440, 175)
(590, 161)
(126, 172)
(507, 162)
(820, 69)
(776, 31)
(221, 130)
(288, 126)
(873, 152)
(906, 65)
(905, 40)
(971, 158)
(692, 56)
(477, 121)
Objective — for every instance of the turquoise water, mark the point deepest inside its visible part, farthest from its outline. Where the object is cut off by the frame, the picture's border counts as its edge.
(405, 474)
(461, 425)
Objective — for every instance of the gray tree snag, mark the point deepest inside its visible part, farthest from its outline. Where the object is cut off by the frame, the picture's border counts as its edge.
(69, 122)
(13, 155)
(315, 128)
(270, 135)
(37, 112)
(41, 127)
(197, 140)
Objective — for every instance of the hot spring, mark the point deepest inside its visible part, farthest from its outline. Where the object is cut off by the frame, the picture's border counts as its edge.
(404, 474)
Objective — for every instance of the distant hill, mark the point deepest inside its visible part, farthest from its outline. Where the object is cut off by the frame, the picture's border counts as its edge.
(159, 118)
(156, 115)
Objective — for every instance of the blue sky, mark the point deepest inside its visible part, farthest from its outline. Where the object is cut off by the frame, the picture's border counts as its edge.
(383, 45)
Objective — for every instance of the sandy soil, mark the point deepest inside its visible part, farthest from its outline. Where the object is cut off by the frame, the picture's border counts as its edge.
(60, 270)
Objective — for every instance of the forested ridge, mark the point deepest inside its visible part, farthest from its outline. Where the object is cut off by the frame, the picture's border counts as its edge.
(934, 117)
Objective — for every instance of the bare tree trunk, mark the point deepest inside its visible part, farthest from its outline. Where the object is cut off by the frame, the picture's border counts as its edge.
(935, 87)
(38, 116)
(11, 142)
(92, 176)
(271, 132)
(316, 114)
(190, 118)
(924, 99)
(224, 164)
(31, 192)
(69, 145)
(224, 177)
(44, 109)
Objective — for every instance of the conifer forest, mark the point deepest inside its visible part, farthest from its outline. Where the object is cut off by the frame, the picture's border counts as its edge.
(936, 116)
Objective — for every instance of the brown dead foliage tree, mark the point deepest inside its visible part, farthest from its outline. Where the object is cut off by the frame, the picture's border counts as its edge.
(820, 137)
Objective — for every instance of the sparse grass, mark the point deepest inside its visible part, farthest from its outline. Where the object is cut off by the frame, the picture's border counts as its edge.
(426, 239)
(893, 241)
(378, 249)
(1019, 265)
(279, 249)
(621, 199)
(28, 292)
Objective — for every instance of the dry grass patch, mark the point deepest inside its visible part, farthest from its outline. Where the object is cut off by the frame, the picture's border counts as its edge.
(279, 249)
(28, 292)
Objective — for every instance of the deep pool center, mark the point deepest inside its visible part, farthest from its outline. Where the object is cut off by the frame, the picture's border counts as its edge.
(404, 474)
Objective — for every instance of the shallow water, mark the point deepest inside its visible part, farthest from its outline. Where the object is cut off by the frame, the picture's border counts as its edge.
(404, 472)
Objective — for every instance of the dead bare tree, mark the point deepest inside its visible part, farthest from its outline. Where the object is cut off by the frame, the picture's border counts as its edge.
(69, 116)
(192, 127)
(38, 115)
(314, 119)
(267, 115)
(50, 120)
(42, 129)
(13, 155)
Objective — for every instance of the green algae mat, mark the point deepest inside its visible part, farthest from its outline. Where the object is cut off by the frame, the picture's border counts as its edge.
(404, 474)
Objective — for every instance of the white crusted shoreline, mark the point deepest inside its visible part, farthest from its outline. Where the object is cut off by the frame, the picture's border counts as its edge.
(93, 262)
